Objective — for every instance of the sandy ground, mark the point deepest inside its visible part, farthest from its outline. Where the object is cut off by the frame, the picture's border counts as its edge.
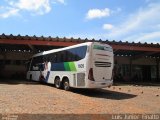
(35, 98)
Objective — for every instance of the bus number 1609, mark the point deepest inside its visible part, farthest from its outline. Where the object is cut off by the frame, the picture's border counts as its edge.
(80, 65)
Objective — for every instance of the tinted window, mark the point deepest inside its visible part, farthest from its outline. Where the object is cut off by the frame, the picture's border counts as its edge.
(76, 54)
(73, 54)
(98, 47)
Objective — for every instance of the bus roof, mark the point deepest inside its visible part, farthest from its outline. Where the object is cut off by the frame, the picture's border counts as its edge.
(65, 48)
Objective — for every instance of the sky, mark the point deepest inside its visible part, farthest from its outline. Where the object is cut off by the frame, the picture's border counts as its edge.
(125, 20)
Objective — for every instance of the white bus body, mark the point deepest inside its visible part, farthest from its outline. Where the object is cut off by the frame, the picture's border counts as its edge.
(86, 65)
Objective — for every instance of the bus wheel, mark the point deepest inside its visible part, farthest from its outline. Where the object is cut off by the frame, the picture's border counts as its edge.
(57, 82)
(66, 84)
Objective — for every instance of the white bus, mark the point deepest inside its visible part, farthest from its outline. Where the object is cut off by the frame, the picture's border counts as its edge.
(85, 65)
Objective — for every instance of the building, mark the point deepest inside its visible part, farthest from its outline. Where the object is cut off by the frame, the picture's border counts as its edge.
(133, 61)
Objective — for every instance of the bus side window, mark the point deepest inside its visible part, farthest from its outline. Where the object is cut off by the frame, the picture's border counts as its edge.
(58, 57)
(49, 58)
(72, 54)
(65, 56)
(76, 57)
(62, 57)
(68, 56)
(53, 57)
(44, 59)
(81, 54)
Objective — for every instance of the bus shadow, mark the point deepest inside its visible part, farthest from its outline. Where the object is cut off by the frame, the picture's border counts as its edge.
(16, 81)
(95, 93)
(102, 93)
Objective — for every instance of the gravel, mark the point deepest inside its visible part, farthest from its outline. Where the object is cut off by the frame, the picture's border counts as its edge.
(24, 97)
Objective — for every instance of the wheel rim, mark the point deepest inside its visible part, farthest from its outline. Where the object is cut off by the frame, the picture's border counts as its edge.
(66, 85)
(57, 83)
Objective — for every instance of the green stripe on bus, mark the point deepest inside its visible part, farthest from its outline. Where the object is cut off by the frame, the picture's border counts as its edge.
(72, 66)
(66, 66)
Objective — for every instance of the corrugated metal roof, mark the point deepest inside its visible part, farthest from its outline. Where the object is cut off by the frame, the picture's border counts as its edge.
(79, 40)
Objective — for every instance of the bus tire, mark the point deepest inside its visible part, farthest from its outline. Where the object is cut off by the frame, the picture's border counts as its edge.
(66, 85)
(57, 82)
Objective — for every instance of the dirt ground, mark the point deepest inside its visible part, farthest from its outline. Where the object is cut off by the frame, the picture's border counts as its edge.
(34, 98)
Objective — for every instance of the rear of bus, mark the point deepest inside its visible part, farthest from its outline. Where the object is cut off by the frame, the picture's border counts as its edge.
(100, 71)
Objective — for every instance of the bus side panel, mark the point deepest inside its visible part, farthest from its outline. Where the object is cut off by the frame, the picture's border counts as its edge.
(71, 70)
(33, 75)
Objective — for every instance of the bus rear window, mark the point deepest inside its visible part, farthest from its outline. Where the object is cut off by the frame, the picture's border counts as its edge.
(98, 47)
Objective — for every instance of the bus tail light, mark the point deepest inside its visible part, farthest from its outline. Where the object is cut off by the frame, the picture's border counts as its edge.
(90, 75)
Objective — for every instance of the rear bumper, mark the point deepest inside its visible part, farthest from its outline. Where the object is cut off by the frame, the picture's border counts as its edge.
(103, 84)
